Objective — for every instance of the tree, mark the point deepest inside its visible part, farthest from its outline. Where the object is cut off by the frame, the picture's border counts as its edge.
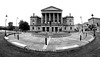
(10, 26)
(23, 25)
(91, 27)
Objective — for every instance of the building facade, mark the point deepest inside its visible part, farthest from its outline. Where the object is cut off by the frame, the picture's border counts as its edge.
(95, 21)
(51, 21)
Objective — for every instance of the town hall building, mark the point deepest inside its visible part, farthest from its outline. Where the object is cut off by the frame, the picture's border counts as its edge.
(51, 21)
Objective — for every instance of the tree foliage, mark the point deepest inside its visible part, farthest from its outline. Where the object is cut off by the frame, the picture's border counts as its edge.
(23, 25)
(91, 27)
(10, 26)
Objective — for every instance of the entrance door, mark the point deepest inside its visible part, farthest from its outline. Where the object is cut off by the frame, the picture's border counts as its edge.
(43, 29)
(60, 29)
(56, 29)
(47, 29)
(52, 29)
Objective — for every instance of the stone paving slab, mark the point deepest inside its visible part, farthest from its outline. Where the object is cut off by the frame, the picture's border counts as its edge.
(37, 43)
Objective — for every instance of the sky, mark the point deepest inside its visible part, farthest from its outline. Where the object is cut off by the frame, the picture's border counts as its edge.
(23, 9)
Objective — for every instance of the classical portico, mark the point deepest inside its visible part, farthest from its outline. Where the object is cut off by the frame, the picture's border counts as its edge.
(51, 16)
(51, 21)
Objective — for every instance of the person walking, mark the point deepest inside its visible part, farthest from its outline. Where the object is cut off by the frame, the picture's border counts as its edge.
(80, 37)
(45, 40)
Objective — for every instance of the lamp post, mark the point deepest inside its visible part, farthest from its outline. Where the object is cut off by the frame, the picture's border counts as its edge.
(16, 29)
(5, 25)
(16, 24)
(82, 23)
(93, 25)
(82, 28)
(46, 34)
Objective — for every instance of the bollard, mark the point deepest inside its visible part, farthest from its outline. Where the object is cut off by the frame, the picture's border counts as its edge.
(18, 37)
(80, 37)
(94, 34)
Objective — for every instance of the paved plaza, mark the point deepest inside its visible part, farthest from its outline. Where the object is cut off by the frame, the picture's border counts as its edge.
(37, 42)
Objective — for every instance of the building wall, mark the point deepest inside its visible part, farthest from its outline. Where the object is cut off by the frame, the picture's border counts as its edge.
(31, 29)
(53, 16)
(95, 21)
(33, 21)
(70, 21)
(68, 28)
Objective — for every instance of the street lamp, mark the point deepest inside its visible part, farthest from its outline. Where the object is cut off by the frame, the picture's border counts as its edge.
(16, 24)
(82, 23)
(16, 29)
(93, 25)
(82, 28)
(5, 25)
(46, 36)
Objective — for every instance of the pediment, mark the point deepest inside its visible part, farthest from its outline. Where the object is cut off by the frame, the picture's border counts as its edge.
(51, 8)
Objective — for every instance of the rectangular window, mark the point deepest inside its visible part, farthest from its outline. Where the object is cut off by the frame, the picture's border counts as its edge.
(70, 20)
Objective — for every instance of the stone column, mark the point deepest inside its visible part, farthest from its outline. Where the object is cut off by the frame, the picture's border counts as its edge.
(49, 29)
(45, 18)
(45, 29)
(42, 18)
(58, 29)
(57, 18)
(53, 17)
(54, 29)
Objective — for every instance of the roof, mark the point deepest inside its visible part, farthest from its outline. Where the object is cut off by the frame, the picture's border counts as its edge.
(51, 8)
(34, 17)
(85, 23)
(78, 24)
(94, 18)
(68, 17)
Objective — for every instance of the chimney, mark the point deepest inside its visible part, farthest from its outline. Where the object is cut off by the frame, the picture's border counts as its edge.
(33, 14)
(69, 14)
